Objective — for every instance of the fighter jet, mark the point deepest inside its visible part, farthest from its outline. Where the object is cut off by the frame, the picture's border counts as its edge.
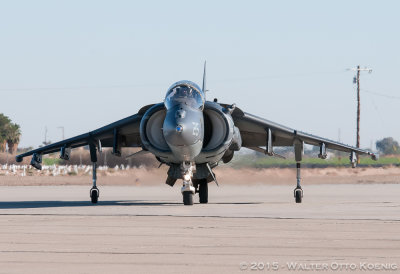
(192, 136)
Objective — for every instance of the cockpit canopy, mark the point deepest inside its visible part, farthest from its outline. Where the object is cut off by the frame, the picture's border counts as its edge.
(185, 92)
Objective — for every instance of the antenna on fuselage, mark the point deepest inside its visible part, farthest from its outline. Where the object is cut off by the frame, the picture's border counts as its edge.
(204, 77)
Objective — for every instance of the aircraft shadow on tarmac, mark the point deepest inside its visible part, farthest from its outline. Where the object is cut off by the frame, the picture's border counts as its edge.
(52, 204)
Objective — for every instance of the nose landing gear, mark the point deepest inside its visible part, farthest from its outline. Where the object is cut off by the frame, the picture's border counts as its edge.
(187, 198)
(187, 189)
(201, 187)
(192, 186)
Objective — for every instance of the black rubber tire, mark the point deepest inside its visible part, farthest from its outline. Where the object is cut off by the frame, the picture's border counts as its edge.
(298, 194)
(203, 192)
(94, 196)
(187, 198)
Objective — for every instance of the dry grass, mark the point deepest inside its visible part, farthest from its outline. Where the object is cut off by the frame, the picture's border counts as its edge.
(10, 159)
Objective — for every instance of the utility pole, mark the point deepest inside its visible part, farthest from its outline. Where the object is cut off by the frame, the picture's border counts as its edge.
(358, 107)
(356, 80)
(340, 140)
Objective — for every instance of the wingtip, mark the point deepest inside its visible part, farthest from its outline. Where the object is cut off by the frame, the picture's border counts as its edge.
(374, 157)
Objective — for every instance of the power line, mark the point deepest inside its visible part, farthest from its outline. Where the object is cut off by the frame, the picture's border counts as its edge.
(129, 86)
(381, 94)
(277, 76)
(81, 87)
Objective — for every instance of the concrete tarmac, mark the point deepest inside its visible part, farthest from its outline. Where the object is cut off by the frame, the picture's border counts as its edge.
(45, 229)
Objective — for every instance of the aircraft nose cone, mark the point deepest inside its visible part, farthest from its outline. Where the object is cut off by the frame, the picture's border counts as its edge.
(183, 127)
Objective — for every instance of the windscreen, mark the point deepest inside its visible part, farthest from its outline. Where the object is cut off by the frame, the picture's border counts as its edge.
(184, 94)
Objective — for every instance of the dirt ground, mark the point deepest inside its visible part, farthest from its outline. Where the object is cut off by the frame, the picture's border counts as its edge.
(225, 176)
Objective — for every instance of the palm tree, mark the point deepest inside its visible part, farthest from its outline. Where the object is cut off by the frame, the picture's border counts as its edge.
(4, 123)
(13, 136)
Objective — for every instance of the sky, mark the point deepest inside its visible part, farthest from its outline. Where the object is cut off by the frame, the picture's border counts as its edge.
(84, 64)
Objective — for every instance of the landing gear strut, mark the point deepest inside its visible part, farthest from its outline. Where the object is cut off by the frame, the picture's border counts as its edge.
(187, 189)
(94, 191)
(298, 191)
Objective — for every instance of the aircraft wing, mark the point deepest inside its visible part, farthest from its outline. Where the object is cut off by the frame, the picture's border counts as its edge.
(255, 131)
(122, 133)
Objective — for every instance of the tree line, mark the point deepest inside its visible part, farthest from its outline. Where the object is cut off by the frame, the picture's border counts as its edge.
(10, 134)
(388, 146)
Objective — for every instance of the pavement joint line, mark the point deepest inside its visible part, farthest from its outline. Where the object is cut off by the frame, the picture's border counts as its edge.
(177, 253)
(194, 216)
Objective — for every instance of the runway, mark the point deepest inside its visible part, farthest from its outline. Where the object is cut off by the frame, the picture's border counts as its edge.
(47, 229)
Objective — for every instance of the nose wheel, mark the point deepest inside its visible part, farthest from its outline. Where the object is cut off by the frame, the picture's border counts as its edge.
(187, 198)
(187, 189)
(187, 192)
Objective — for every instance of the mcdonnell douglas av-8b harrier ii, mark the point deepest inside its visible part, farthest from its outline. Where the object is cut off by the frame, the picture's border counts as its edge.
(191, 136)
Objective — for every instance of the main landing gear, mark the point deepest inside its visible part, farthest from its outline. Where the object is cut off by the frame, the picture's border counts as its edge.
(203, 191)
(94, 191)
(201, 186)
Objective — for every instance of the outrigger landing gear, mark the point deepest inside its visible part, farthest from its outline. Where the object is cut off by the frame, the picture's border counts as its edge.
(298, 155)
(94, 191)
(298, 191)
